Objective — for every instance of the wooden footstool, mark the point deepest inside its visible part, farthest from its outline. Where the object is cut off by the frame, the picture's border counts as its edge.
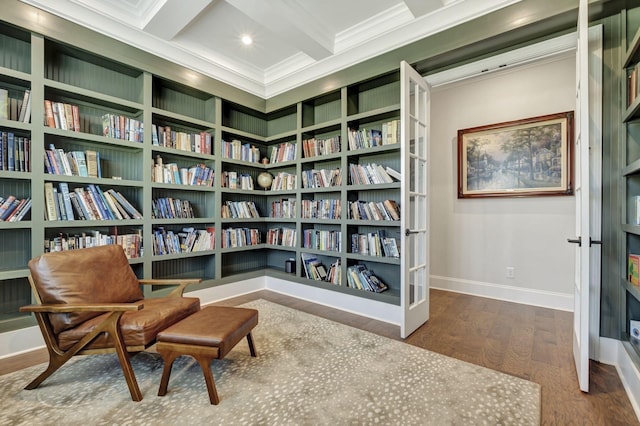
(206, 335)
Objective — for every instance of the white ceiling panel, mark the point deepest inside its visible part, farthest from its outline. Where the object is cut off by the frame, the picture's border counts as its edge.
(294, 41)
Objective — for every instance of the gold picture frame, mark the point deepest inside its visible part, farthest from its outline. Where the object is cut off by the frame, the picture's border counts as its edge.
(520, 158)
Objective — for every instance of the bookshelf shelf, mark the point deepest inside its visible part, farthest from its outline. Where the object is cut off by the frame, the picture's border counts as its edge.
(13, 274)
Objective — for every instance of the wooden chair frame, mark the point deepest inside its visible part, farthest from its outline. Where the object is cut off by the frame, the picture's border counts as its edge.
(110, 325)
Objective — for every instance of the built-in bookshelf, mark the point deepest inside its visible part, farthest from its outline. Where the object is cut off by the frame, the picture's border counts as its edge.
(176, 175)
(630, 296)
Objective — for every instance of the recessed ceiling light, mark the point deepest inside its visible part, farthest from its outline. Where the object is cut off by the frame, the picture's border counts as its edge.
(246, 39)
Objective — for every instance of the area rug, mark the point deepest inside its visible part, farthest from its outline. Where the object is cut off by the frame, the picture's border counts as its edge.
(309, 371)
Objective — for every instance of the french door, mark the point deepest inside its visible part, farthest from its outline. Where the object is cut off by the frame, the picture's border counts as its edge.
(583, 228)
(414, 105)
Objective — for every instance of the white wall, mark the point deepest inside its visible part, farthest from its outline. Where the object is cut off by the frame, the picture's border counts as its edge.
(473, 241)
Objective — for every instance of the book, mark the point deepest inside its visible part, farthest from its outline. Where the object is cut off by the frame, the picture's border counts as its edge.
(4, 104)
(26, 106)
(49, 119)
(77, 209)
(393, 173)
(633, 270)
(50, 202)
(11, 152)
(634, 210)
(91, 158)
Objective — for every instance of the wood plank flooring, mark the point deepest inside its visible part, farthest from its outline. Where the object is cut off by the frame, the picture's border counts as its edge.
(524, 341)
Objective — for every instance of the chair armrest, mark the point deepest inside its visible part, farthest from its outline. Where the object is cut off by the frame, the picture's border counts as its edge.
(85, 307)
(182, 283)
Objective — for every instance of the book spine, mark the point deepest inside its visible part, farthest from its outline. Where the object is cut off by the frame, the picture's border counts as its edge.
(11, 150)
(50, 203)
(64, 190)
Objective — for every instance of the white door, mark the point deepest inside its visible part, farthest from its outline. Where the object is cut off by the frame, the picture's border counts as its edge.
(583, 236)
(414, 106)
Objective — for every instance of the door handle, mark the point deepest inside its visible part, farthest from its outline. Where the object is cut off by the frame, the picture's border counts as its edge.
(577, 241)
(408, 231)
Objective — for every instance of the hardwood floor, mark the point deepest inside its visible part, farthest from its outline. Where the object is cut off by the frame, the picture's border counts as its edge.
(525, 341)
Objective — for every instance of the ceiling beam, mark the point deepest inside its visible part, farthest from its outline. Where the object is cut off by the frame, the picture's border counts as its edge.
(291, 22)
(173, 16)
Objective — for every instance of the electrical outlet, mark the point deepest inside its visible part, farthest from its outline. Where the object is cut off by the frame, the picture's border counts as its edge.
(511, 272)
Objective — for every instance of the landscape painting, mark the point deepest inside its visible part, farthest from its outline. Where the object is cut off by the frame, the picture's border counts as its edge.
(528, 157)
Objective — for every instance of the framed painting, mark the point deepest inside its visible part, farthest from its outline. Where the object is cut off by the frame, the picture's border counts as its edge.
(521, 158)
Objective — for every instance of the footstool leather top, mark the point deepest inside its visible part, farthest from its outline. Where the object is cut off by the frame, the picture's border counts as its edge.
(214, 326)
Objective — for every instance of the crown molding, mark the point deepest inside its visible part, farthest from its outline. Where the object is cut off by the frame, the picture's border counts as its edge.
(524, 55)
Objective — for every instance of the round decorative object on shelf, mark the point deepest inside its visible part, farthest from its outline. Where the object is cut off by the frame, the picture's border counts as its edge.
(264, 180)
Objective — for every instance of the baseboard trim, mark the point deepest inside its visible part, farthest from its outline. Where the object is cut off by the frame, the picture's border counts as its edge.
(613, 352)
(380, 311)
(228, 291)
(527, 296)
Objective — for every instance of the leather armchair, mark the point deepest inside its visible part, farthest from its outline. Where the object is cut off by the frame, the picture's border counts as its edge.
(89, 301)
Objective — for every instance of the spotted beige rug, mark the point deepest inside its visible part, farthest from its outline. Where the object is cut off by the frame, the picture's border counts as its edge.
(309, 371)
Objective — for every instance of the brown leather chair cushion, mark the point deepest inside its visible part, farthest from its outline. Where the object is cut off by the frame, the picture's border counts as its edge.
(93, 275)
(139, 328)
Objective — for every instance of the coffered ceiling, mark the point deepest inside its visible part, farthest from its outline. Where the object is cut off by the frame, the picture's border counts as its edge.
(294, 41)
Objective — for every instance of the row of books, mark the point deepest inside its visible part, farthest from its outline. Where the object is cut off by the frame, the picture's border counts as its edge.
(14, 209)
(374, 210)
(368, 174)
(73, 163)
(239, 210)
(196, 175)
(368, 138)
(171, 208)
(90, 203)
(320, 209)
(284, 208)
(236, 150)
(284, 182)
(165, 136)
(324, 240)
(286, 151)
(374, 244)
(15, 152)
(314, 269)
(286, 237)
(13, 108)
(315, 147)
(122, 127)
(59, 115)
(361, 278)
(235, 180)
(322, 178)
(131, 243)
(188, 240)
(240, 237)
